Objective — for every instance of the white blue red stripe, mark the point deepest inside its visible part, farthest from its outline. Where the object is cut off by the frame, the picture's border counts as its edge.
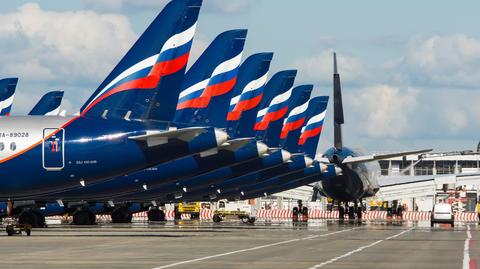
(250, 97)
(6, 105)
(276, 110)
(312, 128)
(221, 81)
(295, 120)
(146, 74)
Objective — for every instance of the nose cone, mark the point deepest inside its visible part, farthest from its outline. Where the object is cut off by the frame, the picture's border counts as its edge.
(308, 161)
(261, 148)
(220, 136)
(286, 155)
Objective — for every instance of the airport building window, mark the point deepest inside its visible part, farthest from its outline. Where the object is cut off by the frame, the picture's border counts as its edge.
(13, 146)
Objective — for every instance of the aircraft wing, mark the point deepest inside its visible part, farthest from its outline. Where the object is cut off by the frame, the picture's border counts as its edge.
(155, 138)
(376, 157)
(398, 187)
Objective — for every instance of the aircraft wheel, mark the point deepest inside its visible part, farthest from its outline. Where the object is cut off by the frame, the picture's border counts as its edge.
(28, 217)
(251, 220)
(82, 217)
(295, 214)
(156, 214)
(359, 213)
(431, 223)
(40, 220)
(217, 218)
(452, 224)
(10, 230)
(341, 213)
(121, 215)
(305, 213)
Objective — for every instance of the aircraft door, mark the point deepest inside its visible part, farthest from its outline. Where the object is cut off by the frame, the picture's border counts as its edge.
(52, 151)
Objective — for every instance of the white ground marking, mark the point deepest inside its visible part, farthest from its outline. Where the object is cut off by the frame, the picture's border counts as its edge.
(251, 249)
(358, 250)
(466, 250)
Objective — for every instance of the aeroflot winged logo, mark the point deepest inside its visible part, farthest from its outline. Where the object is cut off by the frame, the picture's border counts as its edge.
(220, 82)
(312, 128)
(276, 110)
(250, 97)
(295, 120)
(147, 73)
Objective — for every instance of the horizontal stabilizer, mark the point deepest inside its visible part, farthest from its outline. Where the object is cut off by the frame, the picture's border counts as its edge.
(155, 138)
(376, 157)
(235, 144)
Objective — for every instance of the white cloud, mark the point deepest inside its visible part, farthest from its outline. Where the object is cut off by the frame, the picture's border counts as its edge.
(64, 49)
(319, 68)
(127, 5)
(213, 6)
(382, 111)
(440, 61)
(229, 6)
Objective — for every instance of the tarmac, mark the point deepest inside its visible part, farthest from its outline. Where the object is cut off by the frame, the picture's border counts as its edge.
(235, 245)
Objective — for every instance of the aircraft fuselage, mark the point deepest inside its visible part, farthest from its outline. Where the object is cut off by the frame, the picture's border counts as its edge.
(357, 181)
(40, 155)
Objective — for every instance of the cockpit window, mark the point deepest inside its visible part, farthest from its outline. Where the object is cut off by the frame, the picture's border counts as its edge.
(2, 146)
(13, 146)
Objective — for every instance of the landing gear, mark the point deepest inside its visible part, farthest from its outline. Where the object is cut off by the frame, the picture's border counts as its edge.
(12, 229)
(300, 212)
(32, 218)
(341, 212)
(351, 214)
(121, 215)
(359, 211)
(217, 218)
(83, 216)
(155, 214)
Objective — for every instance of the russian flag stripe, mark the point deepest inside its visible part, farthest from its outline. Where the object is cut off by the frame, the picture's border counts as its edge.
(244, 106)
(172, 57)
(221, 81)
(270, 117)
(309, 134)
(7, 102)
(291, 126)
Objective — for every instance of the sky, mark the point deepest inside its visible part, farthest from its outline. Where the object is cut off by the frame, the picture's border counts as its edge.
(410, 69)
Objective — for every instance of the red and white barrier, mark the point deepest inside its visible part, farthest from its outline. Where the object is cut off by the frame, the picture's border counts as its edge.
(416, 216)
(277, 214)
(466, 216)
(286, 214)
(206, 214)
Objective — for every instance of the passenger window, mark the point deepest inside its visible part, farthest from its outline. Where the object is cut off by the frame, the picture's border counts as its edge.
(2, 146)
(13, 146)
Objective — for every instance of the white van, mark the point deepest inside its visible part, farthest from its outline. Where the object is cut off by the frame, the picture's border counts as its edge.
(442, 213)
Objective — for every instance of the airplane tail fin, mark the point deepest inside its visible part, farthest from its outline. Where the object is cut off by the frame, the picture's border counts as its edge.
(270, 124)
(48, 105)
(307, 139)
(296, 136)
(248, 91)
(154, 65)
(337, 106)
(7, 93)
(278, 84)
(207, 88)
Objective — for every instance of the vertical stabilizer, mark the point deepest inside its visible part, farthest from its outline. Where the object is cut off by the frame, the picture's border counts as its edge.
(337, 106)
(49, 104)
(7, 93)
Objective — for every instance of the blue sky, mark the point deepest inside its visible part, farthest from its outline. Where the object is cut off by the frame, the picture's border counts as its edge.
(410, 69)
